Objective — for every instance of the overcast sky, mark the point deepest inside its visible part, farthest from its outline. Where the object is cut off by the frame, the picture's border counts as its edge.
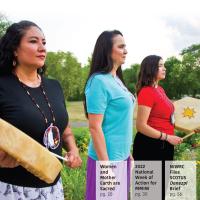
(162, 27)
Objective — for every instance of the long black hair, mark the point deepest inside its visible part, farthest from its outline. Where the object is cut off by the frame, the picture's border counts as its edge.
(101, 58)
(9, 43)
(148, 71)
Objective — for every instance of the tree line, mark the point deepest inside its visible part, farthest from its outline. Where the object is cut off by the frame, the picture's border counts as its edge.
(182, 77)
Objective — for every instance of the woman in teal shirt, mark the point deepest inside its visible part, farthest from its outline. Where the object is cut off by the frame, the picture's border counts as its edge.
(109, 107)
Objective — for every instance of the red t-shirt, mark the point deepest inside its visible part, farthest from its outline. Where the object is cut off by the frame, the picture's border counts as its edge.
(161, 108)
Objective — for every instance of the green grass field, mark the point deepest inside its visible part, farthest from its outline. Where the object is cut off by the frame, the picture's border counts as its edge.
(74, 181)
(76, 111)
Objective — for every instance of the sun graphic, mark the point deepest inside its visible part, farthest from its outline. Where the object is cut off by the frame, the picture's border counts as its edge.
(189, 112)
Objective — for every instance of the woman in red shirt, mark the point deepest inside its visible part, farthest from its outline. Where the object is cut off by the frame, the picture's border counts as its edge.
(155, 138)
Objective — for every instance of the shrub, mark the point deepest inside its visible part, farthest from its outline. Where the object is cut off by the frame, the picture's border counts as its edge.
(82, 138)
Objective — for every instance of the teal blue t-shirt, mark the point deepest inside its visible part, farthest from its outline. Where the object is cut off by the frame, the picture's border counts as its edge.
(107, 95)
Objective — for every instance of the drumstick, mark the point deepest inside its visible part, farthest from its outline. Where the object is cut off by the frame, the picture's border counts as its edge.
(56, 155)
(188, 135)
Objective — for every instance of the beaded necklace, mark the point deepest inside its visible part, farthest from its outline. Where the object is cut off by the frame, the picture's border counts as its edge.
(37, 105)
(51, 135)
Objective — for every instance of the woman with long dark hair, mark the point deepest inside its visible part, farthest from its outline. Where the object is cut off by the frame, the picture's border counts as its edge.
(155, 138)
(35, 105)
(108, 106)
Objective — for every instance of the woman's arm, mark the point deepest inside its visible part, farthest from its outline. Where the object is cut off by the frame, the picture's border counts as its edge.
(72, 151)
(141, 122)
(95, 126)
(143, 127)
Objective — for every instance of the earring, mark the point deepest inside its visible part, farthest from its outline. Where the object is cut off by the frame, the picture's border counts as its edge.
(14, 63)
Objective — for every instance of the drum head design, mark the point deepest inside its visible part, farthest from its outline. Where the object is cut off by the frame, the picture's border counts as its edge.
(187, 114)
